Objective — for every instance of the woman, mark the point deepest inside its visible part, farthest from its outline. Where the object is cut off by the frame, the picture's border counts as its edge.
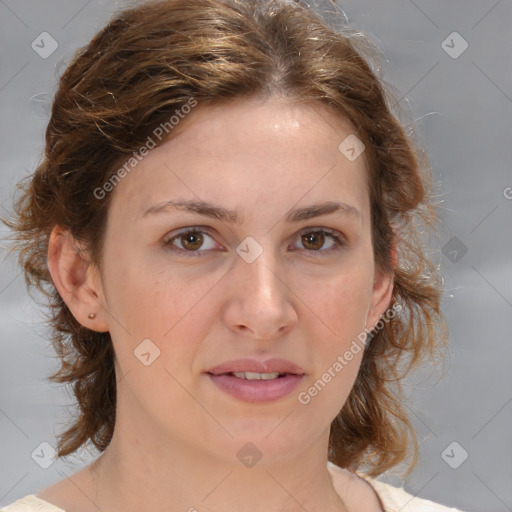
(226, 223)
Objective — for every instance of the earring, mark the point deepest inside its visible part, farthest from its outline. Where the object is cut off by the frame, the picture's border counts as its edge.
(92, 315)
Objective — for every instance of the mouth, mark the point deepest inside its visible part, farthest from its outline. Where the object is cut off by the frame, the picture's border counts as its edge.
(252, 369)
(253, 381)
(254, 375)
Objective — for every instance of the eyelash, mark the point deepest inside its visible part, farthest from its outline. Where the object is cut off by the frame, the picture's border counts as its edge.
(340, 243)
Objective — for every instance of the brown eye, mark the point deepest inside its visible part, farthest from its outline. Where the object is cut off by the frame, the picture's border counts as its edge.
(191, 240)
(314, 240)
(197, 242)
(321, 242)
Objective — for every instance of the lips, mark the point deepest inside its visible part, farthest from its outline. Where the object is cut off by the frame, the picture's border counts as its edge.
(281, 366)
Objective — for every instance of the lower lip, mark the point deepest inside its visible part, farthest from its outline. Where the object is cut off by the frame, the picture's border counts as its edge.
(257, 390)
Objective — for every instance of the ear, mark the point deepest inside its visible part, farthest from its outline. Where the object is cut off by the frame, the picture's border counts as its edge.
(382, 289)
(77, 280)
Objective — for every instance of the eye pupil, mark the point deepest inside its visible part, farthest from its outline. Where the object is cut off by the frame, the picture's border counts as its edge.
(311, 238)
(192, 240)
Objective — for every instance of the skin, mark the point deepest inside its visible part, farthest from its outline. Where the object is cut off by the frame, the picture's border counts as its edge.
(177, 435)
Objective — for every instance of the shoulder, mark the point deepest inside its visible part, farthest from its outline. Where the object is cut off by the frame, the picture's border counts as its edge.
(31, 503)
(394, 499)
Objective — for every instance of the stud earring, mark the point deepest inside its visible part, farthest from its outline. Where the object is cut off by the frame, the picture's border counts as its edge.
(92, 315)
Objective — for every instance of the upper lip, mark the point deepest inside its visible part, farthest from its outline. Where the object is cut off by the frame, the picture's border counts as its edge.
(252, 365)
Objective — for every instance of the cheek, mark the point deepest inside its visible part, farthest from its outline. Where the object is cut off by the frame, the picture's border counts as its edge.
(341, 306)
(340, 302)
(328, 389)
(148, 298)
(164, 306)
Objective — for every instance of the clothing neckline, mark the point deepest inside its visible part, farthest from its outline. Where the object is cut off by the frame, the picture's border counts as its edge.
(42, 505)
(46, 506)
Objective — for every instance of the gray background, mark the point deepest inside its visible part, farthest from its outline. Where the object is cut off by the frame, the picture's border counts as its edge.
(463, 112)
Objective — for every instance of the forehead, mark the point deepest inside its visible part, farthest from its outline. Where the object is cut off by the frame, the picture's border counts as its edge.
(246, 149)
(246, 121)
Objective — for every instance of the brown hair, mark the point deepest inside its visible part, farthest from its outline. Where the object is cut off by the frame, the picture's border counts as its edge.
(146, 64)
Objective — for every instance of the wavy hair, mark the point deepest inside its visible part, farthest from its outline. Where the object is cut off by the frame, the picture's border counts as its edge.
(135, 73)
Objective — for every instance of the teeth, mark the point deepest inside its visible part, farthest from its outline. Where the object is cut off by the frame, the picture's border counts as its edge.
(256, 376)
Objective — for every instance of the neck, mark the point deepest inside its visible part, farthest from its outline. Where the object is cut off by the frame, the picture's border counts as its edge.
(139, 472)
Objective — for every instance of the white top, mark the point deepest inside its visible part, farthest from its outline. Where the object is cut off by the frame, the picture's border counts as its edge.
(394, 499)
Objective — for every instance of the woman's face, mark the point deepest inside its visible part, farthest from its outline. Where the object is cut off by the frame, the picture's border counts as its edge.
(285, 281)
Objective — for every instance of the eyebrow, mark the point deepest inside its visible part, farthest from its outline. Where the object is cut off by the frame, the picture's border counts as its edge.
(217, 212)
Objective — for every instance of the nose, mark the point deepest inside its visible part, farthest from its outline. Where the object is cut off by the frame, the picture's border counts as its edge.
(260, 304)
